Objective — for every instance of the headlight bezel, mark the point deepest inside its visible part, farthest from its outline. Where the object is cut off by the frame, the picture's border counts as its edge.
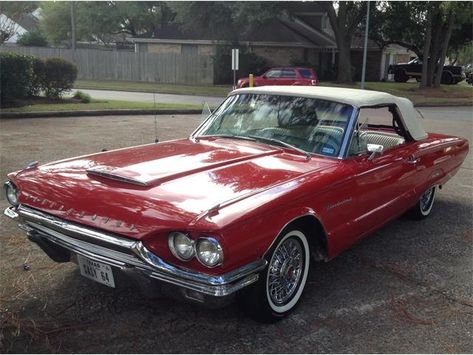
(196, 252)
(218, 249)
(172, 245)
(9, 187)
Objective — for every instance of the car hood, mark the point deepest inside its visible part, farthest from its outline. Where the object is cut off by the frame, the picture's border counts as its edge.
(167, 186)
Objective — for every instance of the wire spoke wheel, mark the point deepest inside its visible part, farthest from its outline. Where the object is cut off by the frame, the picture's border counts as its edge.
(426, 200)
(285, 271)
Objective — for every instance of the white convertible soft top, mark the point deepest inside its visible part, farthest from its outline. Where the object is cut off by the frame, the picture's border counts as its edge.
(353, 97)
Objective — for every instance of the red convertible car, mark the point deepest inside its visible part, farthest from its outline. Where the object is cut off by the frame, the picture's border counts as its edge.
(282, 76)
(275, 177)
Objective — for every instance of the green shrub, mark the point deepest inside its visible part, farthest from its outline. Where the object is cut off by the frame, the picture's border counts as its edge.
(82, 96)
(32, 39)
(37, 76)
(59, 77)
(16, 73)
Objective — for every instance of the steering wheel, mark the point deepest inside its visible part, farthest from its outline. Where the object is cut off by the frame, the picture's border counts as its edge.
(325, 141)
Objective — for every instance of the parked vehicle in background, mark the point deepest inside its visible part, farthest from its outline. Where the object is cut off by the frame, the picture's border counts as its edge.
(452, 74)
(282, 76)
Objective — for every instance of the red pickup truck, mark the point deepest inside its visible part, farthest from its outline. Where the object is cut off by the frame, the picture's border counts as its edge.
(282, 76)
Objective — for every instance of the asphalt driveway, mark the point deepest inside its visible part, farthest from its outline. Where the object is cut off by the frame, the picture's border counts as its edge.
(406, 289)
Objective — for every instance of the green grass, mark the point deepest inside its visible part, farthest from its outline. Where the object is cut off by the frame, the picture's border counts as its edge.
(203, 90)
(460, 94)
(98, 105)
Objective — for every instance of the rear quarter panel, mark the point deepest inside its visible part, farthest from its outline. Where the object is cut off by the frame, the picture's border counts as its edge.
(440, 156)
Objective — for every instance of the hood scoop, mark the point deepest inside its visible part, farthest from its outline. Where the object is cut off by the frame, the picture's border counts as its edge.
(121, 175)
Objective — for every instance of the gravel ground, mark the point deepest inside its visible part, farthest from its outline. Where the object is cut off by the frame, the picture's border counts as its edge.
(408, 288)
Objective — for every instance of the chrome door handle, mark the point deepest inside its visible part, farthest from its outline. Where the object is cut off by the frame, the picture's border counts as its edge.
(412, 160)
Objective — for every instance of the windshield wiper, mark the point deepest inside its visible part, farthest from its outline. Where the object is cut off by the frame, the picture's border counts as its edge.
(226, 136)
(282, 143)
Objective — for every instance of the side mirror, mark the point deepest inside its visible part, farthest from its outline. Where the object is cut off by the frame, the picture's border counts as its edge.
(374, 149)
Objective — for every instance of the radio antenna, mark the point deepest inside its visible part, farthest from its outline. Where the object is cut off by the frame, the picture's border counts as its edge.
(156, 140)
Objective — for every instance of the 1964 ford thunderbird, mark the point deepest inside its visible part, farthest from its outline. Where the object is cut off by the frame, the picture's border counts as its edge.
(274, 177)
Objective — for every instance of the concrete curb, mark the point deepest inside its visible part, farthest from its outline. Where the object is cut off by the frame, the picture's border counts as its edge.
(97, 113)
(79, 113)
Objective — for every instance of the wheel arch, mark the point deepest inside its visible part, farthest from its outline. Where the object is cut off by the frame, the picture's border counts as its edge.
(314, 230)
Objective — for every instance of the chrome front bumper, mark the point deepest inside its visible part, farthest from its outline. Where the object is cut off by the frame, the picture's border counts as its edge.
(128, 254)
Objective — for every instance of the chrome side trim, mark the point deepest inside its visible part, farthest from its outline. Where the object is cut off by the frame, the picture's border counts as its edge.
(135, 255)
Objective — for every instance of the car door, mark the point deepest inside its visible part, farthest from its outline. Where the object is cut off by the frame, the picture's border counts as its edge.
(271, 77)
(382, 188)
(288, 77)
(383, 184)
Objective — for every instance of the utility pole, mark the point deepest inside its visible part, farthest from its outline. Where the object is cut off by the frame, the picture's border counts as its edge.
(73, 26)
(363, 72)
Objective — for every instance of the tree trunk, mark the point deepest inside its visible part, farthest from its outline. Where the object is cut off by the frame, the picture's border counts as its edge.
(344, 62)
(425, 55)
(338, 23)
(443, 52)
(434, 55)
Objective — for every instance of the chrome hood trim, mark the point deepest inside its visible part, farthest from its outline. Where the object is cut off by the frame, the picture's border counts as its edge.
(100, 171)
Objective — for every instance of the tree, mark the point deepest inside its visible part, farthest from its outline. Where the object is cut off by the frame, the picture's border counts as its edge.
(230, 20)
(430, 29)
(227, 20)
(344, 22)
(10, 12)
(101, 20)
(32, 39)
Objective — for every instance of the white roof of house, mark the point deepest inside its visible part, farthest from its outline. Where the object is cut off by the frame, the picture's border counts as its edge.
(353, 97)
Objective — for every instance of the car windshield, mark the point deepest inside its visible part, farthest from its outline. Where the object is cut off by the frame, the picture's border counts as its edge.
(305, 124)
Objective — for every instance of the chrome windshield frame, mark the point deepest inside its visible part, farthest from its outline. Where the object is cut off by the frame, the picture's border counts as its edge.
(349, 133)
(342, 154)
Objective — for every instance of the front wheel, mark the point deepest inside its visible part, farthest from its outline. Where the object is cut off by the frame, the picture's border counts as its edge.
(280, 286)
(424, 206)
(400, 76)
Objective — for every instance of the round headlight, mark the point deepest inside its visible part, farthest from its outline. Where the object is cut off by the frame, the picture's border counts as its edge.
(11, 193)
(209, 252)
(182, 247)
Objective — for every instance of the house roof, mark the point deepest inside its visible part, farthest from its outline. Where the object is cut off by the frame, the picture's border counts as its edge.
(282, 32)
(29, 22)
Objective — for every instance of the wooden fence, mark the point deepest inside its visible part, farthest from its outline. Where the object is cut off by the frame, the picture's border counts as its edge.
(94, 64)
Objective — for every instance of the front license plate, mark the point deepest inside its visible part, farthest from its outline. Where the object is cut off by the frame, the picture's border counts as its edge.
(96, 271)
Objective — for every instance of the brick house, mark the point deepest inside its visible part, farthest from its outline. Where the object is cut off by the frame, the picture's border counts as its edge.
(305, 38)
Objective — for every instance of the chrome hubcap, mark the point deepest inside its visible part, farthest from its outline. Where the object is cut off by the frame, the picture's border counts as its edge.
(426, 199)
(285, 271)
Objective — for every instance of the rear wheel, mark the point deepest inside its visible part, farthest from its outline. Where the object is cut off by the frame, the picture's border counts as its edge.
(280, 286)
(424, 206)
(447, 78)
(400, 76)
